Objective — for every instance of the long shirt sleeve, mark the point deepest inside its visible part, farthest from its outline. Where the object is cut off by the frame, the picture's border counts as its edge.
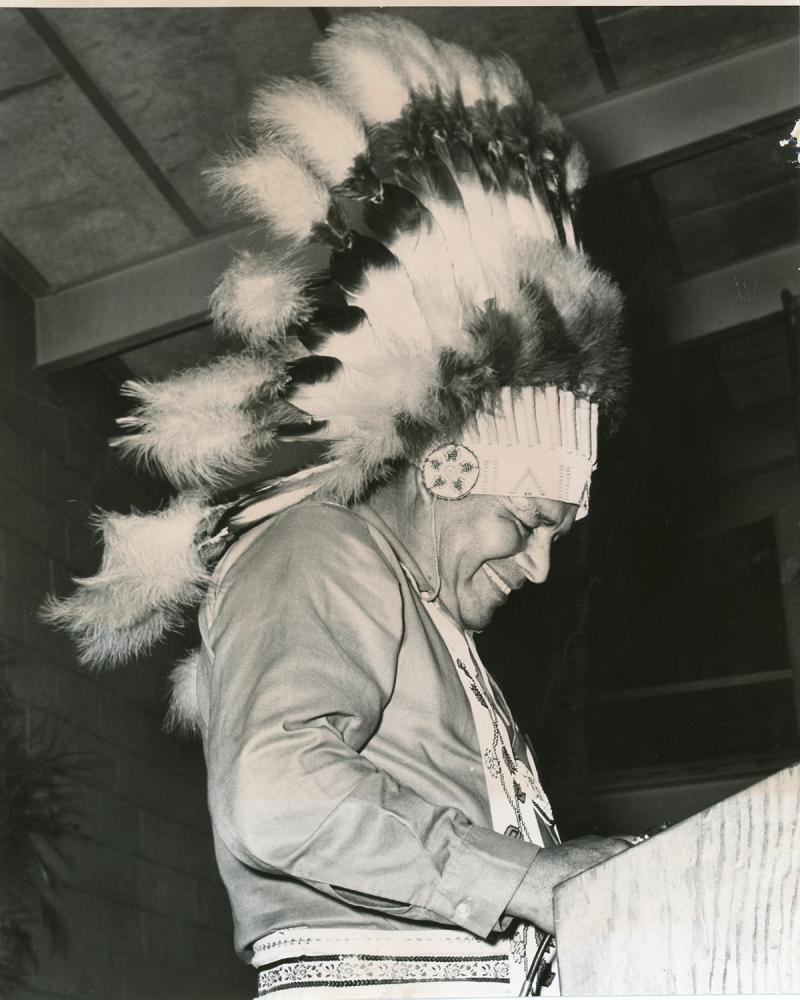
(308, 636)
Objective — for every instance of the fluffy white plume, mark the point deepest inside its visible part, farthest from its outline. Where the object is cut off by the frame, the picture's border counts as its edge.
(151, 571)
(184, 715)
(570, 280)
(576, 170)
(360, 459)
(195, 426)
(259, 297)
(312, 120)
(270, 184)
(376, 62)
(503, 81)
(466, 68)
(408, 48)
(357, 65)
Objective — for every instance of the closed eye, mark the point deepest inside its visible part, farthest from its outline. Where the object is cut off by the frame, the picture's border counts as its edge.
(540, 522)
(523, 528)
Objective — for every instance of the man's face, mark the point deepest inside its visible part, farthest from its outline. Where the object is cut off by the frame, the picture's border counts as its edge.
(490, 546)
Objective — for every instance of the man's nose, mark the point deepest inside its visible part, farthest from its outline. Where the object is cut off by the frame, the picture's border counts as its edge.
(534, 560)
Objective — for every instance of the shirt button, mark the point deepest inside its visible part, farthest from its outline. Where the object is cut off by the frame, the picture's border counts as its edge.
(463, 909)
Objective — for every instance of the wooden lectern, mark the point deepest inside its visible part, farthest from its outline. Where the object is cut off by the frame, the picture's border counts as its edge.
(709, 906)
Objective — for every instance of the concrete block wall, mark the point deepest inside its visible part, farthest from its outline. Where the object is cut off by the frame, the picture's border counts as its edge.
(145, 913)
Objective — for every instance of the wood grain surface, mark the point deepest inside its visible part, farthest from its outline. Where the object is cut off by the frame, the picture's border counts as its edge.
(710, 906)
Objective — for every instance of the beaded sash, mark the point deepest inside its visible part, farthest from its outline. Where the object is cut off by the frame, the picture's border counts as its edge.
(519, 806)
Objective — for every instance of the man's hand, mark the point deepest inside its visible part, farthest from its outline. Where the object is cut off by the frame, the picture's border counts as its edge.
(533, 900)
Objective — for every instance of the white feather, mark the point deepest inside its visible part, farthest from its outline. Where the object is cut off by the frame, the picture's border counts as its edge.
(387, 297)
(443, 74)
(406, 46)
(425, 257)
(358, 405)
(576, 170)
(360, 459)
(259, 297)
(184, 715)
(503, 81)
(502, 228)
(150, 572)
(383, 373)
(461, 256)
(389, 363)
(490, 233)
(270, 184)
(344, 479)
(570, 280)
(530, 218)
(195, 426)
(361, 72)
(311, 119)
(284, 493)
(466, 68)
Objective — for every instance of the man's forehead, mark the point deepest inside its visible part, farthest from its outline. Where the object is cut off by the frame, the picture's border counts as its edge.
(555, 510)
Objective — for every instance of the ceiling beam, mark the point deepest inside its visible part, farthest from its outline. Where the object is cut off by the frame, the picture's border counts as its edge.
(597, 47)
(165, 296)
(641, 129)
(627, 132)
(21, 270)
(731, 296)
(146, 302)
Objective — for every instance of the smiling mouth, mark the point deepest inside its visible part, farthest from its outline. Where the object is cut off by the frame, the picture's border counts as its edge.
(497, 580)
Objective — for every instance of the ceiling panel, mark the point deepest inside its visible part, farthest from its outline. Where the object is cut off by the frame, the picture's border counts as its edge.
(622, 236)
(23, 58)
(547, 42)
(730, 203)
(72, 199)
(182, 79)
(760, 382)
(740, 381)
(182, 350)
(722, 233)
(755, 368)
(646, 43)
(753, 164)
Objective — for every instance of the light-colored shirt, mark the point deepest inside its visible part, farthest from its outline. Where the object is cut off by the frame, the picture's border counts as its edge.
(346, 785)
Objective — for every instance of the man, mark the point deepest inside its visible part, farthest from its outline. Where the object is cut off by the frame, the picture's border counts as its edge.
(378, 820)
(347, 775)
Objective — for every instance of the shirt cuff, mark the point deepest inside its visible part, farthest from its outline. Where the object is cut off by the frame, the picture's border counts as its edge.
(480, 879)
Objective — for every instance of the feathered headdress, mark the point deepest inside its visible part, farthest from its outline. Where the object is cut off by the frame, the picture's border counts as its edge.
(457, 324)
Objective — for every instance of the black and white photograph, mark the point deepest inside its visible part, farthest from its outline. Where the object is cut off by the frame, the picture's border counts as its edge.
(400, 501)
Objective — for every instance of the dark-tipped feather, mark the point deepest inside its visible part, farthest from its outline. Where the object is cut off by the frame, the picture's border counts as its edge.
(362, 183)
(399, 212)
(314, 368)
(290, 432)
(348, 265)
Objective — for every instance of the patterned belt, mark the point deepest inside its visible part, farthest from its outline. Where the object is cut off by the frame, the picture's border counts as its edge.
(363, 962)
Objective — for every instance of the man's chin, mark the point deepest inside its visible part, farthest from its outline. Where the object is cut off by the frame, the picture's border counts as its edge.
(477, 619)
